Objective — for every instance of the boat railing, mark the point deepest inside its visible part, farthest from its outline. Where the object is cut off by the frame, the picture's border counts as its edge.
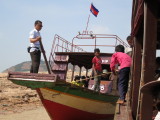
(95, 37)
(62, 45)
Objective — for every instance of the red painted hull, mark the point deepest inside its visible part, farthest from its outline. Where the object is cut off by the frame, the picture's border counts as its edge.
(61, 112)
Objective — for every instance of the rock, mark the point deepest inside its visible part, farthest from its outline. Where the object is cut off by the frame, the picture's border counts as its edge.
(5, 105)
(26, 98)
(3, 98)
(16, 96)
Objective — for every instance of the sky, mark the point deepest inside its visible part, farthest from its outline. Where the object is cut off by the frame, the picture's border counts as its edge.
(63, 17)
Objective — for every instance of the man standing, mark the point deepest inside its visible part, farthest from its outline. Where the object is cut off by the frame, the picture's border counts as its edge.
(35, 52)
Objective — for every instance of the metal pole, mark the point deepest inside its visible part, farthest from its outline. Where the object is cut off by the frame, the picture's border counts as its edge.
(86, 72)
(95, 41)
(88, 22)
(44, 55)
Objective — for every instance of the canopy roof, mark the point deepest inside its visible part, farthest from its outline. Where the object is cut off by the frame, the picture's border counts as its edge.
(84, 59)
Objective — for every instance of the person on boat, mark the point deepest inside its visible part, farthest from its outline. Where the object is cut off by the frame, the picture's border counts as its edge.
(128, 50)
(85, 81)
(97, 69)
(105, 75)
(34, 48)
(124, 61)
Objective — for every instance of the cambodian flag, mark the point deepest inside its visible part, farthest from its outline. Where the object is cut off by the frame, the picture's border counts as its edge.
(94, 10)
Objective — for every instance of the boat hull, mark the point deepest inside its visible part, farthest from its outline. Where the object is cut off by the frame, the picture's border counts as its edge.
(64, 106)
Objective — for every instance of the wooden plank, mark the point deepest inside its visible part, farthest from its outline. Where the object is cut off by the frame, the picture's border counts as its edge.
(130, 87)
(32, 77)
(129, 111)
(31, 74)
(137, 74)
(117, 111)
(45, 58)
(123, 114)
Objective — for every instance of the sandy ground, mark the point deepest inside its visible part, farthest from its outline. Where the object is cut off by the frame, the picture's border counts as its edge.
(19, 103)
(37, 114)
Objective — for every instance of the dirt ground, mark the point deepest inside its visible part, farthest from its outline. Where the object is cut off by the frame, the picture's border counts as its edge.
(21, 103)
(35, 114)
(17, 100)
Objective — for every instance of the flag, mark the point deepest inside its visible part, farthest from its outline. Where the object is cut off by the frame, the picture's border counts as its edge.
(94, 10)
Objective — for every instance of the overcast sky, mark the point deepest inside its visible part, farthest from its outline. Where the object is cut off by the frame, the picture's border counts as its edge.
(62, 17)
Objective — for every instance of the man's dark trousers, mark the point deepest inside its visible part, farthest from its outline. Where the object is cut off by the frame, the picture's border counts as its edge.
(123, 82)
(36, 58)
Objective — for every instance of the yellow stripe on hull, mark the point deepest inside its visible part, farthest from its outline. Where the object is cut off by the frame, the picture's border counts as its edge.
(88, 105)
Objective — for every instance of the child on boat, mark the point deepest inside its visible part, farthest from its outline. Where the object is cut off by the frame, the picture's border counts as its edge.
(97, 69)
(105, 75)
(85, 81)
(124, 61)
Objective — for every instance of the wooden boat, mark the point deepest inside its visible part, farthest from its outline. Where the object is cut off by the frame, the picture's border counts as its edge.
(63, 100)
(65, 103)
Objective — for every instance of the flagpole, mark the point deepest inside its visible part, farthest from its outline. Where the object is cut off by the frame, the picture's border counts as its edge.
(88, 21)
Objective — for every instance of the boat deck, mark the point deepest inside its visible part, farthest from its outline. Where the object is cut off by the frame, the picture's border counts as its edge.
(122, 113)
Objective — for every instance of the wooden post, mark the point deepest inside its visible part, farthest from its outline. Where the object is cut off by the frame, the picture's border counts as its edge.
(130, 90)
(86, 72)
(44, 55)
(80, 70)
(136, 73)
(73, 73)
(148, 56)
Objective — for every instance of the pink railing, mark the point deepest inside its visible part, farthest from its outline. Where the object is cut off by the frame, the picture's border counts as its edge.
(62, 45)
(85, 35)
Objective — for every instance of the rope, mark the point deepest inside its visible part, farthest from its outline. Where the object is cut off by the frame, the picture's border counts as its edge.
(97, 75)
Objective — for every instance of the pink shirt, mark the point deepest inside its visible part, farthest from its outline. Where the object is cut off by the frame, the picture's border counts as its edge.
(97, 63)
(120, 58)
